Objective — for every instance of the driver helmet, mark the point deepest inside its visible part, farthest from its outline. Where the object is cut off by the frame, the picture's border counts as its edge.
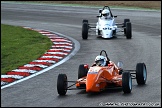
(106, 13)
(100, 60)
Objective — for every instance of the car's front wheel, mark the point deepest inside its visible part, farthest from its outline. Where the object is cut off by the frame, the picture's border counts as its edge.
(84, 20)
(124, 24)
(126, 82)
(128, 30)
(85, 30)
(62, 84)
(141, 73)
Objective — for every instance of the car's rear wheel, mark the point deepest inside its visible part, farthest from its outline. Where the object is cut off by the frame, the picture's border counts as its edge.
(128, 30)
(85, 30)
(82, 71)
(141, 73)
(62, 84)
(126, 82)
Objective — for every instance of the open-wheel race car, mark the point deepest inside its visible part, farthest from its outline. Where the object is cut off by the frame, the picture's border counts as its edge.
(106, 26)
(97, 77)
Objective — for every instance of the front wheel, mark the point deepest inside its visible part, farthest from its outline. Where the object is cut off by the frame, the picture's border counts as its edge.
(84, 20)
(126, 82)
(124, 24)
(141, 73)
(62, 84)
(128, 30)
(85, 30)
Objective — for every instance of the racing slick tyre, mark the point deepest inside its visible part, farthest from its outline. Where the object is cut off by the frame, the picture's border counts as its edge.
(85, 21)
(141, 73)
(82, 71)
(126, 82)
(99, 32)
(124, 24)
(128, 30)
(62, 84)
(85, 30)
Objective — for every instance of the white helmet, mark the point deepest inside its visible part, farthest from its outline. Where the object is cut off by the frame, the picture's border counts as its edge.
(106, 13)
(100, 60)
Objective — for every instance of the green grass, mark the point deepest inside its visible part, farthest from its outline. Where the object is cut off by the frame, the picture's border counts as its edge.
(20, 46)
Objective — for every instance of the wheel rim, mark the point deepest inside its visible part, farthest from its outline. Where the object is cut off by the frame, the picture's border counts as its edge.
(65, 84)
(130, 83)
(144, 73)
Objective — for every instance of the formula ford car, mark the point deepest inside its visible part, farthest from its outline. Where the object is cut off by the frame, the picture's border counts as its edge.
(98, 78)
(106, 26)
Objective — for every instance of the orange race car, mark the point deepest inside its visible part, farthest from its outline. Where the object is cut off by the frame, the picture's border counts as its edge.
(103, 74)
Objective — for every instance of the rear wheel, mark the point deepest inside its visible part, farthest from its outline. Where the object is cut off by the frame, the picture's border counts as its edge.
(62, 84)
(85, 30)
(141, 73)
(128, 30)
(126, 82)
(82, 71)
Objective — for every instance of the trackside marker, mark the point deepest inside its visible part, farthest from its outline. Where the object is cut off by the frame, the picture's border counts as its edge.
(52, 57)
(64, 50)
(48, 61)
(33, 65)
(18, 73)
(61, 48)
(24, 70)
(51, 52)
(11, 76)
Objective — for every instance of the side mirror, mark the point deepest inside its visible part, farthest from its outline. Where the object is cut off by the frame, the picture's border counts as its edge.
(120, 64)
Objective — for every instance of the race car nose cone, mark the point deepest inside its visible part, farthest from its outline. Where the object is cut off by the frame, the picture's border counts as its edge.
(107, 33)
(91, 83)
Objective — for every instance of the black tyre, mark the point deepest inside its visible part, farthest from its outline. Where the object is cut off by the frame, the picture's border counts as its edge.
(82, 71)
(141, 73)
(85, 30)
(62, 84)
(99, 32)
(124, 24)
(126, 82)
(85, 21)
(125, 21)
(100, 10)
(128, 30)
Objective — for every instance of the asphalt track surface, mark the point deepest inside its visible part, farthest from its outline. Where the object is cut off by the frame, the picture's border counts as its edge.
(41, 91)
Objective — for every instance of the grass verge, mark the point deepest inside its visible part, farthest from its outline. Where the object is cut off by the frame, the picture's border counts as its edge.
(20, 46)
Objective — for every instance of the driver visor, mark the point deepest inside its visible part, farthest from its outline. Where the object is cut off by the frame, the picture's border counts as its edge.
(99, 62)
(107, 14)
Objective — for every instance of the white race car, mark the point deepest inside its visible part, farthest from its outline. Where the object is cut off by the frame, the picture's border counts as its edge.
(106, 26)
